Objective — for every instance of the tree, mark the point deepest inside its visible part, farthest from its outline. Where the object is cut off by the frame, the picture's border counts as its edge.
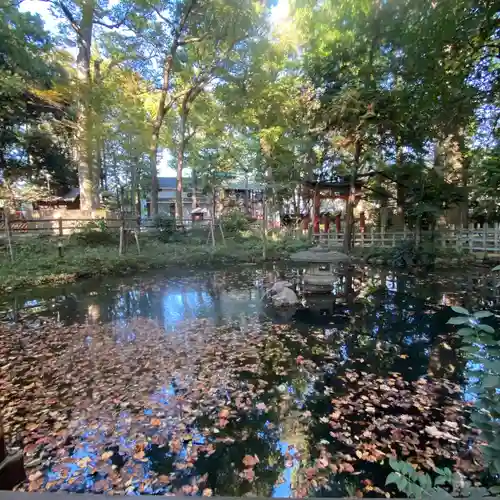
(81, 16)
(35, 114)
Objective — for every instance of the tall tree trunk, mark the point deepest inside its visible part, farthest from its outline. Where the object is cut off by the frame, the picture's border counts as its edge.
(400, 188)
(163, 107)
(133, 186)
(351, 199)
(464, 175)
(247, 196)
(179, 212)
(138, 201)
(97, 172)
(83, 120)
(194, 199)
(155, 187)
(104, 175)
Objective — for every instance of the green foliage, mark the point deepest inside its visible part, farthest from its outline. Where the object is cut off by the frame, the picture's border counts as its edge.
(235, 222)
(166, 227)
(418, 484)
(94, 233)
(37, 262)
(482, 346)
(34, 115)
(406, 254)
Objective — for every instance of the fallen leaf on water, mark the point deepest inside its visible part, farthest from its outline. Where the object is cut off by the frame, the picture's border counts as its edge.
(140, 455)
(224, 413)
(250, 461)
(248, 474)
(36, 475)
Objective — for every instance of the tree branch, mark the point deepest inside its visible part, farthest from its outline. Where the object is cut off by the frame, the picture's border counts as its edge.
(187, 41)
(69, 17)
(168, 21)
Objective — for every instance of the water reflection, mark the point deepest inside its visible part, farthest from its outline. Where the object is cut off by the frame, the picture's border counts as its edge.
(312, 361)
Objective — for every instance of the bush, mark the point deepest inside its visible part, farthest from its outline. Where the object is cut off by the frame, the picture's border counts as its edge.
(94, 233)
(406, 254)
(235, 222)
(165, 226)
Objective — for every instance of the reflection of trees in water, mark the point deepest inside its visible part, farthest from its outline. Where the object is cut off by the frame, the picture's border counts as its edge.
(377, 324)
(277, 383)
(388, 330)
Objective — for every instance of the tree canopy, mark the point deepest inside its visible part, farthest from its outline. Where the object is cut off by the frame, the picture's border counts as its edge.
(403, 92)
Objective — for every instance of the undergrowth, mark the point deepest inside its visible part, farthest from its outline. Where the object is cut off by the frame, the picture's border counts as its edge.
(37, 261)
(408, 254)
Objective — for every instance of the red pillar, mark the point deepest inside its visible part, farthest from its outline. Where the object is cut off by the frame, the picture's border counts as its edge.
(338, 224)
(327, 223)
(316, 223)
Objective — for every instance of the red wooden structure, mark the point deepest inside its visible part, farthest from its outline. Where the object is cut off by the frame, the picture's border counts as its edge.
(320, 190)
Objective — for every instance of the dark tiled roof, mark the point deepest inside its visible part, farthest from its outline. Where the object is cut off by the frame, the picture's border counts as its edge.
(167, 182)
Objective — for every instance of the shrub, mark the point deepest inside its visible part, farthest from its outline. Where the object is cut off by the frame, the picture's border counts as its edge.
(94, 233)
(406, 254)
(235, 222)
(165, 226)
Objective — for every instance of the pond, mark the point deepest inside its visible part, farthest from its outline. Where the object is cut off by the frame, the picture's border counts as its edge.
(192, 384)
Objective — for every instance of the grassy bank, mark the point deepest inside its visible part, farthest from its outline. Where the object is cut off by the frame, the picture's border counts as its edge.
(37, 261)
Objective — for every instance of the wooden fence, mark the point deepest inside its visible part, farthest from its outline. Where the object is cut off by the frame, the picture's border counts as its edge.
(485, 239)
(66, 227)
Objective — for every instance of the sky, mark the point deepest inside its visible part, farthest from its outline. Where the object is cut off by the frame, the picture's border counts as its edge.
(279, 13)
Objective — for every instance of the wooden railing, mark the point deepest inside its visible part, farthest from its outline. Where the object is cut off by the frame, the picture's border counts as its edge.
(66, 227)
(485, 239)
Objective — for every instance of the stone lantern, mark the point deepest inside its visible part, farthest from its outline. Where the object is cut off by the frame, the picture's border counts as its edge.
(319, 268)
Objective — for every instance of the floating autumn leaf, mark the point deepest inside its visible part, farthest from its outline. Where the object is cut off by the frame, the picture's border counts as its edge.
(82, 463)
(224, 413)
(140, 456)
(347, 467)
(250, 461)
(36, 475)
(248, 474)
(207, 492)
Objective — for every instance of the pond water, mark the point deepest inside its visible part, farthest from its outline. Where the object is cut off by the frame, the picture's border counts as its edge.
(192, 384)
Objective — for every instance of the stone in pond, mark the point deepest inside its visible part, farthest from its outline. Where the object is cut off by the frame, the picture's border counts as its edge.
(279, 286)
(285, 298)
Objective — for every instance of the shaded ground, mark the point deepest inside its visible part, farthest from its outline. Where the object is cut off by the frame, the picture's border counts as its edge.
(230, 404)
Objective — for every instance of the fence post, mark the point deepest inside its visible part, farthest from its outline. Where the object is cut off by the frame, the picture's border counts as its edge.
(393, 239)
(485, 233)
(382, 235)
(497, 225)
(60, 226)
(470, 237)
